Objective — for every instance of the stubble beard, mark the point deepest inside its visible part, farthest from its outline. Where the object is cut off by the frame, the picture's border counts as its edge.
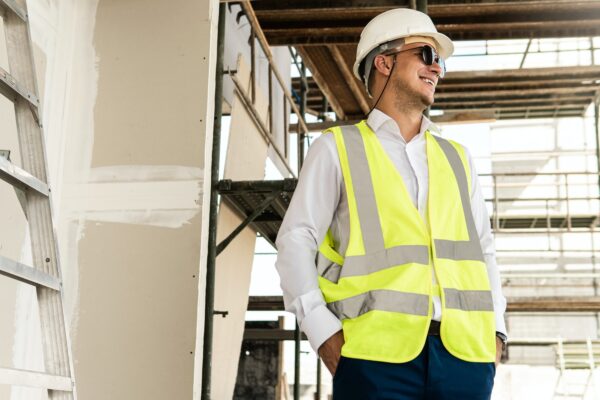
(406, 98)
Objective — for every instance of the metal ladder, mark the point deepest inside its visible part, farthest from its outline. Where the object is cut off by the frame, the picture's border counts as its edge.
(30, 183)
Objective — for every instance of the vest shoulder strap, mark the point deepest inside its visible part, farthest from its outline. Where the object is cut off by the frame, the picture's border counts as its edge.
(463, 158)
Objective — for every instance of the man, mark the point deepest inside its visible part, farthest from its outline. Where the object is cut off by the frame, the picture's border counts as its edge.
(386, 254)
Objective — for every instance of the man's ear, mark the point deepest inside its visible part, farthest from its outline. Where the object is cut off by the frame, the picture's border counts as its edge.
(382, 64)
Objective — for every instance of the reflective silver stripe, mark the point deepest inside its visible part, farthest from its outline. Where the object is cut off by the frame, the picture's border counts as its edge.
(369, 263)
(382, 300)
(459, 250)
(469, 300)
(328, 269)
(368, 215)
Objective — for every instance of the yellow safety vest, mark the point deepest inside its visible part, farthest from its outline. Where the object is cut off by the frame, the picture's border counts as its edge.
(381, 288)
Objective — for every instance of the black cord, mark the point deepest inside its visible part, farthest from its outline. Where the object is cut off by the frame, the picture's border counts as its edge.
(384, 86)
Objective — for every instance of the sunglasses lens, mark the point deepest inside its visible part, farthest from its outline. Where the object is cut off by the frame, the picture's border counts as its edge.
(442, 65)
(430, 56)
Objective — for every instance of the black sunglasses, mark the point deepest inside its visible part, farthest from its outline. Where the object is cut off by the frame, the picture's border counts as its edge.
(429, 56)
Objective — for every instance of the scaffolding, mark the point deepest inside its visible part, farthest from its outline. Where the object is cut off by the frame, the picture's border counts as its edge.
(260, 202)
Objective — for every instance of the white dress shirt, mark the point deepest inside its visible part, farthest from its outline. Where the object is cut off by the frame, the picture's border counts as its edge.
(320, 203)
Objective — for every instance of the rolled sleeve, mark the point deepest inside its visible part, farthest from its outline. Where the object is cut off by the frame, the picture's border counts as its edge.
(319, 325)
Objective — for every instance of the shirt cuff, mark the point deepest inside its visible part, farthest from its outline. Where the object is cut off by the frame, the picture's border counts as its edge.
(319, 325)
(500, 324)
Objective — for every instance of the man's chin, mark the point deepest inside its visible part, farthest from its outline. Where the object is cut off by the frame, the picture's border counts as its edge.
(426, 101)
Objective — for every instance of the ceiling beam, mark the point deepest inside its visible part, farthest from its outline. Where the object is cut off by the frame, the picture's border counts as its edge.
(454, 107)
(323, 84)
(505, 31)
(528, 74)
(358, 92)
(587, 90)
(444, 86)
(554, 304)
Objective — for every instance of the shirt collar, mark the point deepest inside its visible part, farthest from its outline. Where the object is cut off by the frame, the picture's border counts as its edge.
(379, 121)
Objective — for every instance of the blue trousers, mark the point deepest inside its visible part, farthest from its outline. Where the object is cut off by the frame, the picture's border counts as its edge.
(434, 375)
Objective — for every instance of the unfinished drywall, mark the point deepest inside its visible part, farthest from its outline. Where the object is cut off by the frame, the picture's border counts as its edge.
(246, 157)
(237, 41)
(127, 112)
(136, 309)
(150, 124)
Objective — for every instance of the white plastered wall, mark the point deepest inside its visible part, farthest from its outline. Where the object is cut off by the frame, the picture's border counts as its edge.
(127, 91)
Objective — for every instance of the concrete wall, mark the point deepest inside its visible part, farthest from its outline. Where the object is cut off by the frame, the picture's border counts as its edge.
(127, 110)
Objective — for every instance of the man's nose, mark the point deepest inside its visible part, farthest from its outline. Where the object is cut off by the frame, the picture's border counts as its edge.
(436, 68)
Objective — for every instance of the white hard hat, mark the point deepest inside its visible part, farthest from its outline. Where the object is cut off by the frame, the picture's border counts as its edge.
(396, 24)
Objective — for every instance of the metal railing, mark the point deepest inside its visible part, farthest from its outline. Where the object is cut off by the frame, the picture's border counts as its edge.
(566, 201)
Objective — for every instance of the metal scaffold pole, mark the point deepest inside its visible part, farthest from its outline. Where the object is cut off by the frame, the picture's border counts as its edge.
(297, 333)
(303, 102)
(596, 115)
(318, 394)
(212, 230)
(597, 136)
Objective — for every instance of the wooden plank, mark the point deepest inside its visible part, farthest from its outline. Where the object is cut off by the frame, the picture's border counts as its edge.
(560, 102)
(528, 74)
(450, 85)
(270, 334)
(249, 11)
(554, 304)
(321, 126)
(323, 84)
(520, 108)
(357, 90)
(283, 9)
(587, 90)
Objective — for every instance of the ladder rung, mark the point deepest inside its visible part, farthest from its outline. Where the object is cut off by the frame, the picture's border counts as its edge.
(12, 89)
(27, 274)
(20, 178)
(20, 377)
(11, 5)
